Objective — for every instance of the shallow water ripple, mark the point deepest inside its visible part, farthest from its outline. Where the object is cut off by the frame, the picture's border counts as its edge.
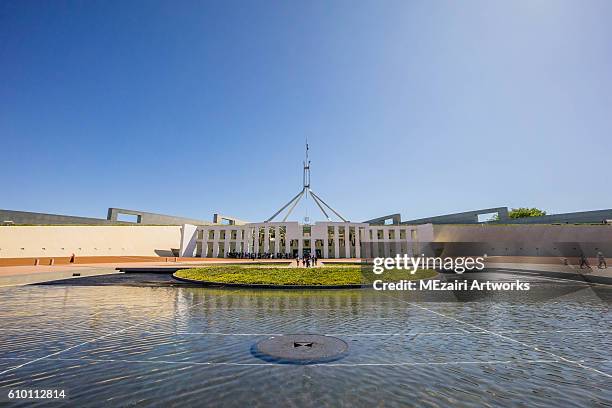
(156, 346)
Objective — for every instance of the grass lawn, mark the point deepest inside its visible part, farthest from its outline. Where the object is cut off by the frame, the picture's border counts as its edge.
(248, 262)
(340, 263)
(325, 275)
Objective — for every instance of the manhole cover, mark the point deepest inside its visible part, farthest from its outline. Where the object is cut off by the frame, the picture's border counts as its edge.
(301, 349)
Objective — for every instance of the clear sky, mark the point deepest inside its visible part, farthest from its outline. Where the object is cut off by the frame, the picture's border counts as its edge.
(195, 107)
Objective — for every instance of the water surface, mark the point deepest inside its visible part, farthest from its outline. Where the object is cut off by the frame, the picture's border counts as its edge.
(115, 342)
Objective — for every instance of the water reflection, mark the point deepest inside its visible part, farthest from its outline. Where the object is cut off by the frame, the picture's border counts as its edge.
(135, 345)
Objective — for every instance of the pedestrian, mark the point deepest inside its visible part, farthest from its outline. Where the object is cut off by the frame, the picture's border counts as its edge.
(72, 258)
(601, 261)
(584, 262)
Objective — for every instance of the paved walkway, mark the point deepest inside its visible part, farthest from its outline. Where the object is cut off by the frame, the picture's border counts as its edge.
(34, 276)
(25, 275)
(570, 269)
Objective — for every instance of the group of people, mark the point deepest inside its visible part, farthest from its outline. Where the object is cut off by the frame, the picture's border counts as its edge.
(307, 261)
(261, 255)
(601, 261)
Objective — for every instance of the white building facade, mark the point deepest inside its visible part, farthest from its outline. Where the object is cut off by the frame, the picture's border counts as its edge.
(290, 239)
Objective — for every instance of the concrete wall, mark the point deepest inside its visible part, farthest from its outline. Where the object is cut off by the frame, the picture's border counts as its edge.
(32, 218)
(226, 219)
(152, 218)
(396, 219)
(471, 217)
(467, 217)
(595, 217)
(524, 240)
(558, 233)
(86, 240)
(26, 217)
(189, 235)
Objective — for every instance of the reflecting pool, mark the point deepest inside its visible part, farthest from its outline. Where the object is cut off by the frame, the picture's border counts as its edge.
(121, 340)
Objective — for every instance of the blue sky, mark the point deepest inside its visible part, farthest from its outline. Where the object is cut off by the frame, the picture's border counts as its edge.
(417, 107)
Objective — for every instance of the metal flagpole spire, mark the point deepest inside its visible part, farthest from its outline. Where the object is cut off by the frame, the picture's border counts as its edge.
(306, 182)
(304, 193)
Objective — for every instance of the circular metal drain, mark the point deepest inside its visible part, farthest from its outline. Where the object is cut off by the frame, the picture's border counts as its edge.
(301, 349)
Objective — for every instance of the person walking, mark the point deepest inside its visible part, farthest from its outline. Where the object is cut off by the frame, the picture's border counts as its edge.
(584, 262)
(601, 261)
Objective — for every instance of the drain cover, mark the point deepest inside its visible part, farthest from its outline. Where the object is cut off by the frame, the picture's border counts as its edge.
(301, 349)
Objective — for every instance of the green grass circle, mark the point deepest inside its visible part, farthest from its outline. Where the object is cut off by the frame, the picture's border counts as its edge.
(292, 276)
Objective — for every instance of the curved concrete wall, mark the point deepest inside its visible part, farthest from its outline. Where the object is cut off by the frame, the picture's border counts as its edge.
(544, 233)
(32, 218)
(523, 240)
(88, 240)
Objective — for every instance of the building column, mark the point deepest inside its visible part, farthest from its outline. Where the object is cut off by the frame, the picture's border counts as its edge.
(216, 235)
(204, 243)
(385, 242)
(357, 243)
(347, 241)
(256, 241)
(374, 243)
(398, 242)
(226, 243)
(325, 241)
(336, 242)
(252, 240)
(266, 247)
(287, 241)
(277, 240)
(249, 239)
(365, 241)
(238, 240)
(300, 245)
(245, 241)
